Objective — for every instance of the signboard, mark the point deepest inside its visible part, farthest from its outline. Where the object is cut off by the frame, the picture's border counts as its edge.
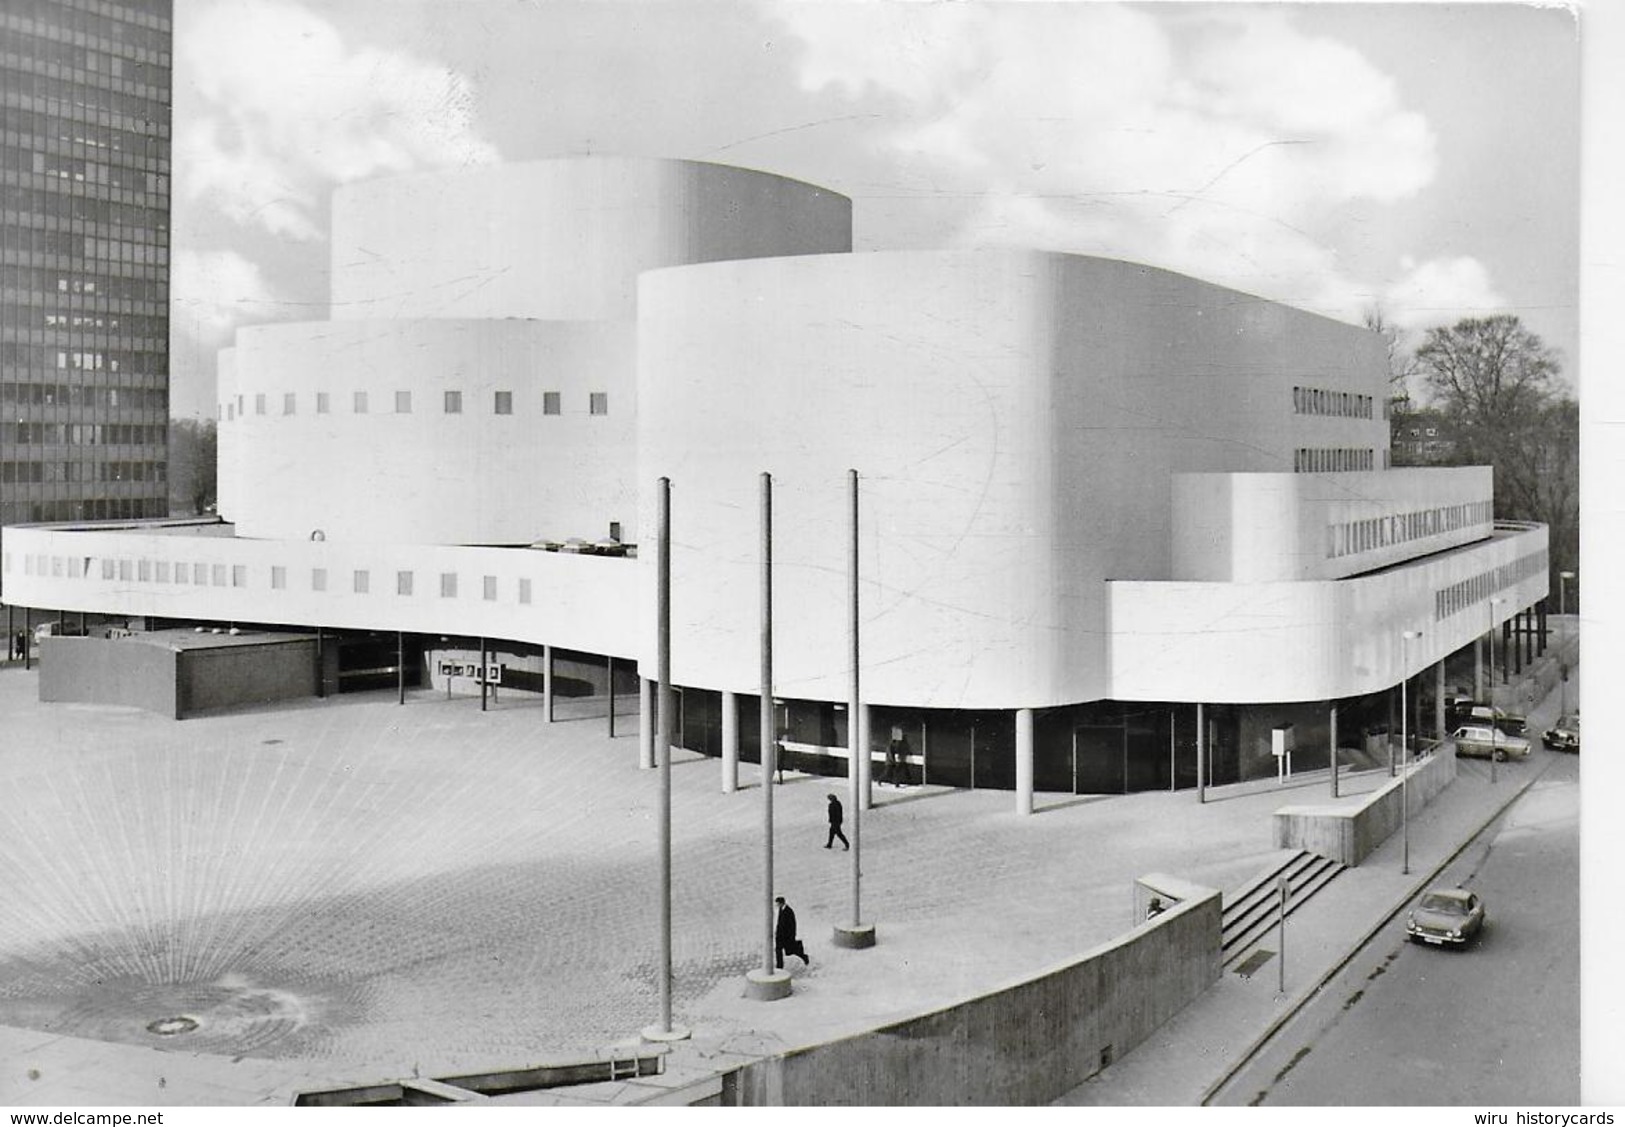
(471, 669)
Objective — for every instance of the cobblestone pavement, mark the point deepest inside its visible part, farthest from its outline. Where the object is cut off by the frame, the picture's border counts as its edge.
(374, 887)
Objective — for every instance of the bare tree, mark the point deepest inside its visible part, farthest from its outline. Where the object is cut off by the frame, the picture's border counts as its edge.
(1402, 364)
(193, 449)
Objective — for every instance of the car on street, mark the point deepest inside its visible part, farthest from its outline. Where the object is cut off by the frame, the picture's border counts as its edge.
(1446, 916)
(1564, 735)
(1479, 741)
(1509, 722)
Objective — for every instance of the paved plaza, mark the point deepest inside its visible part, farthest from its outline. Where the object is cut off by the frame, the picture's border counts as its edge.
(353, 889)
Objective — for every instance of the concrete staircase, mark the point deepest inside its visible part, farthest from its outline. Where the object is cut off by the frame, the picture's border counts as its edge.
(1253, 910)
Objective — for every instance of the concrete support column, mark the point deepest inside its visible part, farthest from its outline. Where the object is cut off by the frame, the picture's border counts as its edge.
(1201, 753)
(1439, 720)
(730, 742)
(1024, 761)
(1332, 725)
(1478, 666)
(646, 724)
(547, 684)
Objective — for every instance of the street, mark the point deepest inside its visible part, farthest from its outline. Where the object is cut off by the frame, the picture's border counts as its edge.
(1495, 1023)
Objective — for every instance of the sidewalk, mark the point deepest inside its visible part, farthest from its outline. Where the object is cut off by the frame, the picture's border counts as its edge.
(431, 890)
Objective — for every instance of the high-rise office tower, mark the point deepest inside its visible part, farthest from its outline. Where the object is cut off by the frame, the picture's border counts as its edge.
(84, 277)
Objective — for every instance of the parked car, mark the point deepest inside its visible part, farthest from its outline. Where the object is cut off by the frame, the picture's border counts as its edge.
(1564, 735)
(1443, 916)
(1480, 741)
(1509, 722)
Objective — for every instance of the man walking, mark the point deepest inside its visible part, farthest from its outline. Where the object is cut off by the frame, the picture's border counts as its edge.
(836, 816)
(784, 936)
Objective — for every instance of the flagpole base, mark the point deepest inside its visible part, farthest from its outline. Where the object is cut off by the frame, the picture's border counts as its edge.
(657, 1034)
(854, 936)
(767, 986)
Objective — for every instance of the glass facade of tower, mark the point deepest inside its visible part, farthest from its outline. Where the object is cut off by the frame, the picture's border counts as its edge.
(84, 277)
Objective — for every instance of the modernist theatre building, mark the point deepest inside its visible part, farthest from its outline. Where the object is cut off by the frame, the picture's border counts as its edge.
(1109, 515)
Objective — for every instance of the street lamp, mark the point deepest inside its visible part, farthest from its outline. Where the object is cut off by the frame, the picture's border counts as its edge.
(1405, 640)
(1493, 729)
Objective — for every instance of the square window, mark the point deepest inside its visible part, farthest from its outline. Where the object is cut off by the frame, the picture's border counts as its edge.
(287, 402)
(360, 403)
(180, 573)
(239, 575)
(359, 582)
(318, 579)
(454, 403)
(403, 402)
(403, 582)
(448, 585)
(504, 403)
(524, 590)
(217, 575)
(163, 571)
(279, 577)
(259, 403)
(321, 403)
(598, 403)
(551, 404)
(490, 588)
(200, 575)
(143, 570)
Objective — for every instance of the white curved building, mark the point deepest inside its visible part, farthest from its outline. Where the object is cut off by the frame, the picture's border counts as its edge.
(1098, 500)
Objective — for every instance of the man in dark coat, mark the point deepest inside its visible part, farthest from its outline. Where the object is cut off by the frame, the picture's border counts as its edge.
(836, 816)
(784, 936)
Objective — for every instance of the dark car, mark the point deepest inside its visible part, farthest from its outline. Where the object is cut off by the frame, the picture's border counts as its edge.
(1564, 735)
(1446, 917)
(1509, 722)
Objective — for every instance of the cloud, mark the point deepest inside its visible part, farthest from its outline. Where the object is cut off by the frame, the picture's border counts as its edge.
(1206, 143)
(286, 110)
(215, 292)
(1441, 291)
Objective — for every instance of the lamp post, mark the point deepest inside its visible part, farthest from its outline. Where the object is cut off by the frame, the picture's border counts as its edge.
(1563, 578)
(1405, 640)
(1493, 729)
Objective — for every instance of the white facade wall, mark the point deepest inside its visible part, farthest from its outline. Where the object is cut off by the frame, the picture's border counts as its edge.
(1260, 528)
(560, 239)
(577, 602)
(428, 476)
(1016, 434)
(1264, 642)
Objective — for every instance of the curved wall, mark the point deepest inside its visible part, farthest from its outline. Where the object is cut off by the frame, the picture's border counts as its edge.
(560, 239)
(427, 475)
(1016, 417)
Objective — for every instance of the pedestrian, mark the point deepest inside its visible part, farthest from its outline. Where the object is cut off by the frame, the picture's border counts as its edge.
(784, 936)
(836, 816)
(1155, 908)
(897, 759)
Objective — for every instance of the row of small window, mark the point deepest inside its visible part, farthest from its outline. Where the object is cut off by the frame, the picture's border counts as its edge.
(1337, 459)
(124, 23)
(55, 208)
(84, 434)
(236, 575)
(90, 172)
(73, 245)
(100, 508)
(53, 97)
(1320, 401)
(16, 355)
(42, 127)
(1350, 537)
(1473, 592)
(83, 395)
(122, 325)
(501, 403)
(151, 102)
(42, 472)
(44, 49)
(130, 281)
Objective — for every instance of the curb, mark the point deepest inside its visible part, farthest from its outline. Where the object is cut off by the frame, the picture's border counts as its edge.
(1307, 995)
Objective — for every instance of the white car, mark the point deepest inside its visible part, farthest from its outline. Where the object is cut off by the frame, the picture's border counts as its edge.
(1482, 741)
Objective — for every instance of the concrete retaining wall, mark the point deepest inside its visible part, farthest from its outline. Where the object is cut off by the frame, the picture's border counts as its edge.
(1350, 833)
(1026, 1044)
(107, 671)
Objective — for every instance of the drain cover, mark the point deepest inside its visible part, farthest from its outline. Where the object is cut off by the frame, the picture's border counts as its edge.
(169, 1026)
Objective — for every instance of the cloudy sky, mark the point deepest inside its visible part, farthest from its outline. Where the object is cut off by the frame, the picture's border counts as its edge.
(1420, 157)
